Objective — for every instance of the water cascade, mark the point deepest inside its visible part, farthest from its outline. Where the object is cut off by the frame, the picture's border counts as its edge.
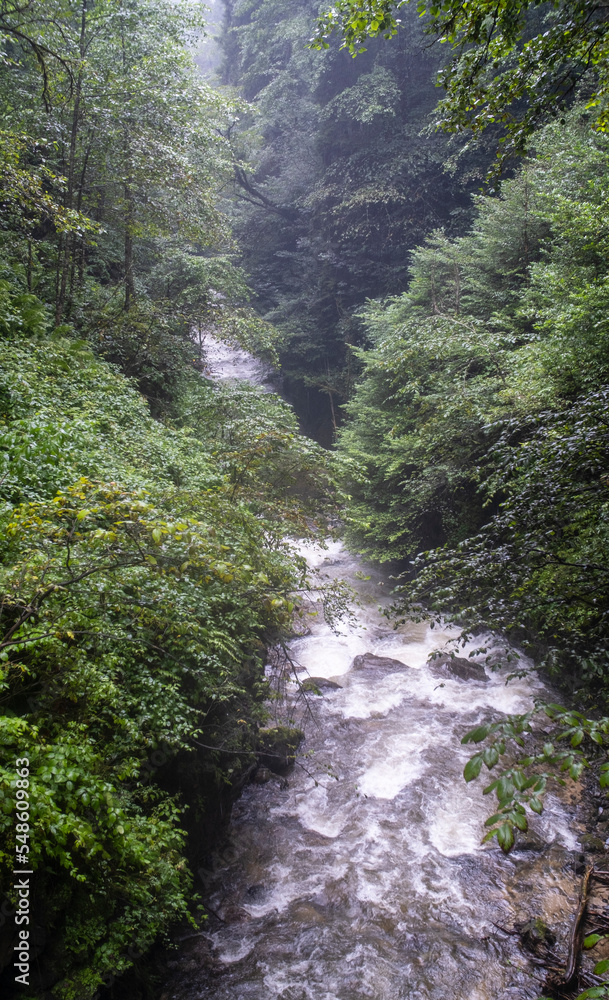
(363, 875)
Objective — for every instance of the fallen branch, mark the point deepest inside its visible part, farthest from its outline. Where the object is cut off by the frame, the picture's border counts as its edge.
(576, 930)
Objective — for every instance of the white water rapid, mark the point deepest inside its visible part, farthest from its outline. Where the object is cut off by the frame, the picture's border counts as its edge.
(226, 363)
(364, 877)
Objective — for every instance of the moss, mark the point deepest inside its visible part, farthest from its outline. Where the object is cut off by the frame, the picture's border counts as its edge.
(277, 747)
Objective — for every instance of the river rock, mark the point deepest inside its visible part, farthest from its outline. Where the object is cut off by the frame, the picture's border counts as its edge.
(535, 933)
(317, 685)
(592, 844)
(384, 664)
(459, 667)
(261, 776)
(277, 747)
(234, 914)
(305, 913)
(256, 892)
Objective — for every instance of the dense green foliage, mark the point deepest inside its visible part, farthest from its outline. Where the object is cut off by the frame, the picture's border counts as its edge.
(110, 170)
(142, 572)
(480, 422)
(338, 184)
(514, 62)
(145, 563)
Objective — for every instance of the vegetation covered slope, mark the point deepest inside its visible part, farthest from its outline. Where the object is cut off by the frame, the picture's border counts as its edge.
(145, 514)
(142, 572)
(479, 424)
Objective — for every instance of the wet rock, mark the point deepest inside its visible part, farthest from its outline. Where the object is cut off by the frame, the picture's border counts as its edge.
(277, 747)
(317, 685)
(370, 661)
(262, 775)
(530, 845)
(591, 843)
(256, 892)
(459, 667)
(305, 913)
(233, 914)
(535, 934)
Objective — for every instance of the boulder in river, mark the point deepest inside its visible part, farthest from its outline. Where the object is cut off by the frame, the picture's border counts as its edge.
(277, 747)
(262, 775)
(234, 914)
(380, 664)
(535, 934)
(459, 667)
(592, 844)
(317, 685)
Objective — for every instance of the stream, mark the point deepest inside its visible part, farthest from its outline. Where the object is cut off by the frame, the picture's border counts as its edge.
(363, 875)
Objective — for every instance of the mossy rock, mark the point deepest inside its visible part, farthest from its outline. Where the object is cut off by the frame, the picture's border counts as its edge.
(592, 844)
(379, 664)
(261, 776)
(317, 685)
(535, 933)
(277, 747)
(458, 667)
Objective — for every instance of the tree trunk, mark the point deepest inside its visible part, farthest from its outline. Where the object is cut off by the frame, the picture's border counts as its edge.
(129, 200)
(129, 222)
(67, 244)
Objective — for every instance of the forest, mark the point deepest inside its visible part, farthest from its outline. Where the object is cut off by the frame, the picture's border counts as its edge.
(402, 207)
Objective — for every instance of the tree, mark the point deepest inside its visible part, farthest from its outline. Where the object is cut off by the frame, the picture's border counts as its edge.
(513, 63)
(336, 185)
(478, 427)
(143, 570)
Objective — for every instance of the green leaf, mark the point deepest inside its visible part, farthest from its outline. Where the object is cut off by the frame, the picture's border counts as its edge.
(493, 819)
(473, 767)
(476, 735)
(520, 821)
(519, 780)
(505, 789)
(505, 837)
(592, 939)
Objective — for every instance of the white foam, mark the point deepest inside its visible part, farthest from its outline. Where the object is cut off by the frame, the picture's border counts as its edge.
(316, 555)
(284, 891)
(227, 363)
(414, 648)
(326, 655)
(554, 825)
(233, 951)
(365, 697)
(315, 812)
(280, 983)
(457, 826)
(399, 765)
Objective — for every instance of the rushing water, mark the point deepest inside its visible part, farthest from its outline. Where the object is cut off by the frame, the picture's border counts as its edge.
(226, 363)
(364, 876)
